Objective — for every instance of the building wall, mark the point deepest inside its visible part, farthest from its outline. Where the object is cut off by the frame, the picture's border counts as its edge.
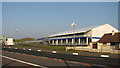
(9, 41)
(89, 33)
(101, 30)
(105, 48)
(95, 40)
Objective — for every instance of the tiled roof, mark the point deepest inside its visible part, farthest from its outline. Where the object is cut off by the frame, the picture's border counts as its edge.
(110, 38)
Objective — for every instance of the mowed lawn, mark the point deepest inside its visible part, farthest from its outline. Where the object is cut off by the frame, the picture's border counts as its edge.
(36, 45)
(48, 47)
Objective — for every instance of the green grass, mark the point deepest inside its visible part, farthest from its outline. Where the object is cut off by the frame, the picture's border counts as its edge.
(55, 47)
(48, 46)
(21, 46)
(62, 48)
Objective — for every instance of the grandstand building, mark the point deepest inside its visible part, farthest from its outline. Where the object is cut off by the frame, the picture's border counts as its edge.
(81, 37)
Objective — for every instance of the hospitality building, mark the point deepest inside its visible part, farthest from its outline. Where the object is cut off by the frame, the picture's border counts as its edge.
(81, 37)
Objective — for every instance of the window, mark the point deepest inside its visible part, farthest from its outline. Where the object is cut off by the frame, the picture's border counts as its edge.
(112, 43)
(104, 43)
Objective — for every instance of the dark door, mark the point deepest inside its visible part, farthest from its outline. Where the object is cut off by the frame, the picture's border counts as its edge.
(94, 45)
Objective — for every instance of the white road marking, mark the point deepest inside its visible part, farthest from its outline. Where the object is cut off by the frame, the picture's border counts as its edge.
(54, 52)
(29, 49)
(99, 65)
(23, 48)
(104, 55)
(39, 50)
(22, 61)
(75, 53)
(15, 48)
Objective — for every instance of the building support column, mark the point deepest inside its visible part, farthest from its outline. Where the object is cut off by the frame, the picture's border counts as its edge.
(52, 42)
(49, 42)
(87, 40)
(73, 44)
(79, 41)
(61, 41)
(72, 41)
(66, 41)
(56, 42)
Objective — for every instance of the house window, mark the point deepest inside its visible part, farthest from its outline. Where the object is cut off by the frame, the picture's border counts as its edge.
(104, 43)
(112, 43)
(94, 46)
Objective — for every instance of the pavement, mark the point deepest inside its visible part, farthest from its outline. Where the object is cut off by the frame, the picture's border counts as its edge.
(41, 61)
(67, 59)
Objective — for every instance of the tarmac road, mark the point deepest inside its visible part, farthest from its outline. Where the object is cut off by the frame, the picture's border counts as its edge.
(93, 61)
(12, 63)
(41, 61)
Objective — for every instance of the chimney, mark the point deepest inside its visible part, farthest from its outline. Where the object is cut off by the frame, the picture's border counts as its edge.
(113, 32)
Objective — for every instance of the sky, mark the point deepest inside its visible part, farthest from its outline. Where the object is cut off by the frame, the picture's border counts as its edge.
(60, 0)
(0, 18)
(40, 19)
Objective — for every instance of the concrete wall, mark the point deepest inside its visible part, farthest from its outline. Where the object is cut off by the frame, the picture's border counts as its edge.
(104, 48)
(94, 50)
(87, 48)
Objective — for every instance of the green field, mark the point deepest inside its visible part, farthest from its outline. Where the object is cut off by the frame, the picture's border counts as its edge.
(36, 45)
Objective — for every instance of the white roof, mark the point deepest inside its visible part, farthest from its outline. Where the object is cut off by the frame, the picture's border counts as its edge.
(81, 30)
(76, 31)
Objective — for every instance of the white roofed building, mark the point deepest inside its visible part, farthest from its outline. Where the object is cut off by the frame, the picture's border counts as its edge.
(6, 41)
(9, 41)
(81, 36)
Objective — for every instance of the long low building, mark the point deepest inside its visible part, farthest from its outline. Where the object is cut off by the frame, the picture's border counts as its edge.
(81, 36)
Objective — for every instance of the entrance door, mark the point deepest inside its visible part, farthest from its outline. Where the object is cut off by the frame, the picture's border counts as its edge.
(94, 45)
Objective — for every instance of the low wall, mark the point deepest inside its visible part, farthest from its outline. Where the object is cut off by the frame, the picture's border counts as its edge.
(94, 50)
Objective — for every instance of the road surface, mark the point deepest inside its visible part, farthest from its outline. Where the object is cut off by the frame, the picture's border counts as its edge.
(35, 61)
(58, 59)
(9, 62)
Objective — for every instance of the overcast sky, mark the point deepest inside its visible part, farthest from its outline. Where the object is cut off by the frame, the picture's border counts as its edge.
(39, 19)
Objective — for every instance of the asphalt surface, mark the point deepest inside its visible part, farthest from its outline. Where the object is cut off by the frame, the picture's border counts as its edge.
(95, 61)
(11, 63)
(44, 49)
(42, 61)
